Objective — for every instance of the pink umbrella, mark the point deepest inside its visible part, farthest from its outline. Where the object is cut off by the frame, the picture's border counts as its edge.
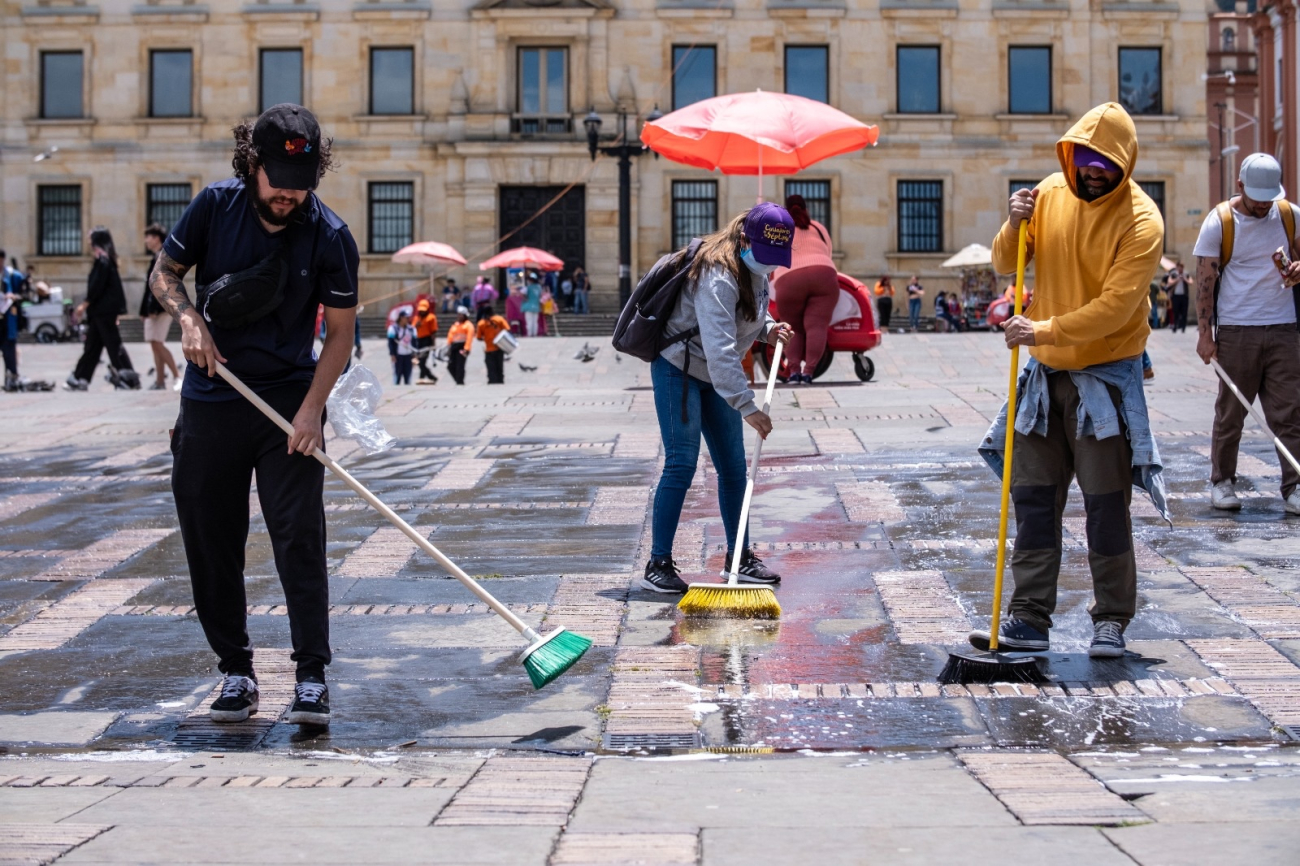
(749, 133)
(524, 257)
(429, 253)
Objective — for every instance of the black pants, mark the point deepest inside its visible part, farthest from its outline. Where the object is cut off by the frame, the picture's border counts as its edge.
(402, 369)
(216, 449)
(886, 306)
(9, 348)
(422, 343)
(456, 363)
(496, 367)
(1178, 317)
(101, 333)
(481, 312)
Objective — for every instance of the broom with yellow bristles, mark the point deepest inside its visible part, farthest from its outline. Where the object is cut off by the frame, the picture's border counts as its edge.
(730, 598)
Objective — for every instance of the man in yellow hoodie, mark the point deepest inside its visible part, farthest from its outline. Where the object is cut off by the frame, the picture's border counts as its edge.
(1095, 239)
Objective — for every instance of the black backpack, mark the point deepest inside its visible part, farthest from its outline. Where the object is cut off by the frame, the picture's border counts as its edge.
(641, 329)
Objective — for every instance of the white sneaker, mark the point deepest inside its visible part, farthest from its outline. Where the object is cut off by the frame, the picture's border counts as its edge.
(1293, 502)
(1223, 496)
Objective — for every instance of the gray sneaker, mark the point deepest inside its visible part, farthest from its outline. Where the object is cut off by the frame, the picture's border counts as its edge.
(1223, 496)
(1107, 640)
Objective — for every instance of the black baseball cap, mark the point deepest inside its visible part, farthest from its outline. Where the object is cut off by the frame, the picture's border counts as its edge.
(287, 138)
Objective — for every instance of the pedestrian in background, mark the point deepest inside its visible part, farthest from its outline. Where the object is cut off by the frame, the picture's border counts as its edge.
(915, 292)
(426, 334)
(807, 292)
(401, 348)
(1086, 330)
(482, 299)
(11, 292)
(460, 338)
(105, 301)
(450, 295)
(493, 357)
(884, 301)
(514, 309)
(581, 287)
(566, 294)
(1250, 328)
(699, 383)
(157, 321)
(1178, 284)
(531, 306)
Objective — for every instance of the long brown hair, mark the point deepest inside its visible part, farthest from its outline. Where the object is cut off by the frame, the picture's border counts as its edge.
(722, 249)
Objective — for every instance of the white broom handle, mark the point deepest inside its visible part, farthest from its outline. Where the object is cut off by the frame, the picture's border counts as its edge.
(407, 530)
(1254, 413)
(753, 465)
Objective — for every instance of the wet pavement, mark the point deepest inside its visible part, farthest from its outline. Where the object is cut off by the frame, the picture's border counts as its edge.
(871, 503)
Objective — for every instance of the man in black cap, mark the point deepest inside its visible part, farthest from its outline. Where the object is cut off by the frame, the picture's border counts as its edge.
(266, 252)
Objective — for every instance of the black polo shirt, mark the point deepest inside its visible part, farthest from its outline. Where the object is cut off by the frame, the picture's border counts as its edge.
(220, 234)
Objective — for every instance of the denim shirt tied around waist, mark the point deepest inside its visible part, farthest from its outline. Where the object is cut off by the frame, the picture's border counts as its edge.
(1097, 418)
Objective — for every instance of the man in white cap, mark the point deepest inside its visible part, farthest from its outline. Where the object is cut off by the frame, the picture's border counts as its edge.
(1246, 316)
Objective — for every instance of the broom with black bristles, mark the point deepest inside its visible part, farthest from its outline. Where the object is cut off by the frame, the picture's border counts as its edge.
(731, 598)
(544, 659)
(993, 666)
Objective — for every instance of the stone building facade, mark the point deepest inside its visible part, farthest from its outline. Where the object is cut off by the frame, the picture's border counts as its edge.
(457, 120)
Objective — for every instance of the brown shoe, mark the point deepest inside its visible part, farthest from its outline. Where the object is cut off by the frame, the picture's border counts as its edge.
(1149, 373)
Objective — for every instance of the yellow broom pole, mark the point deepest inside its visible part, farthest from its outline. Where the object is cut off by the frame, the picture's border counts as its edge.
(1021, 248)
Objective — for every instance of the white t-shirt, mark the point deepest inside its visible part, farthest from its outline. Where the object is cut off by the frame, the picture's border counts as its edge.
(1251, 291)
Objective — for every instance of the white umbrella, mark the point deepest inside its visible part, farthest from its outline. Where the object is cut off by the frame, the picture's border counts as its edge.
(974, 256)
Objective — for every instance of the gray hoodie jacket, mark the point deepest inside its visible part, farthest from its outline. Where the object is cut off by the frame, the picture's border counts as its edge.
(724, 336)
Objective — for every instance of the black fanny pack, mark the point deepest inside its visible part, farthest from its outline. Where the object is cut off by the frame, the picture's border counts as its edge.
(241, 298)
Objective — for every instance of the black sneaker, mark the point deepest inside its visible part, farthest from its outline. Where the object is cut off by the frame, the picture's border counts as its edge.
(311, 703)
(238, 699)
(661, 575)
(1107, 640)
(1015, 635)
(752, 569)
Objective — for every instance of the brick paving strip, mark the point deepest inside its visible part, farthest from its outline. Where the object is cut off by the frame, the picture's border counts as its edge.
(384, 553)
(518, 792)
(505, 425)
(275, 682)
(962, 414)
(869, 502)
(644, 446)
(650, 698)
(68, 617)
(136, 780)
(816, 398)
(110, 552)
(619, 506)
(1268, 679)
(1045, 788)
(16, 503)
(922, 607)
(643, 849)
(36, 844)
(836, 441)
(339, 609)
(135, 456)
(591, 605)
(1271, 613)
(1136, 689)
(460, 473)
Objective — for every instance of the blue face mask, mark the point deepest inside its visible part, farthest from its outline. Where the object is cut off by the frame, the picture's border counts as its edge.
(754, 265)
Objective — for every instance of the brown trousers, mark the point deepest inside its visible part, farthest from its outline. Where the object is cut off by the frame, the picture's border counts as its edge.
(1263, 361)
(1042, 468)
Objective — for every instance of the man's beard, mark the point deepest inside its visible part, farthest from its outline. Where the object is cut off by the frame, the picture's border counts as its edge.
(268, 214)
(1088, 195)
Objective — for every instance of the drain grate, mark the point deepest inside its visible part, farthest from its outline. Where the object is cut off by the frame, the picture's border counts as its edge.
(205, 736)
(627, 742)
(1292, 731)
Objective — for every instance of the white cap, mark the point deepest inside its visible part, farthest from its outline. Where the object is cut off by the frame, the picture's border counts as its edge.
(1262, 177)
(462, 311)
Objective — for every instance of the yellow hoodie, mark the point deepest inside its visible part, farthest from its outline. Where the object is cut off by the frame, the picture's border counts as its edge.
(1093, 261)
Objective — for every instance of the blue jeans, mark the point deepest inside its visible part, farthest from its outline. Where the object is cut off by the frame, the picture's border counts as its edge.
(580, 301)
(914, 312)
(723, 431)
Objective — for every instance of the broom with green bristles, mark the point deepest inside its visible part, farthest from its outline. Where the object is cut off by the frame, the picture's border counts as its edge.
(544, 659)
(730, 598)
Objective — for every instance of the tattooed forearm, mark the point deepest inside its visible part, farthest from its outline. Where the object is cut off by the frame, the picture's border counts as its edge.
(1207, 273)
(166, 283)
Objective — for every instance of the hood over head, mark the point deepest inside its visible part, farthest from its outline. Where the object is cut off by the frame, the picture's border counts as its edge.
(1108, 130)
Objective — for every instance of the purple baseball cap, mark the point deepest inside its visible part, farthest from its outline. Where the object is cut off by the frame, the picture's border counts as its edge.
(770, 230)
(1085, 157)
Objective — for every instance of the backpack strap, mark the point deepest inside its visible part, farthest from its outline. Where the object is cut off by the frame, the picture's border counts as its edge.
(1229, 233)
(1287, 211)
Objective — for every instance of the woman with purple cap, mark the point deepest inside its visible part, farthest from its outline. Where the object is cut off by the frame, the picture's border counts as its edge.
(700, 385)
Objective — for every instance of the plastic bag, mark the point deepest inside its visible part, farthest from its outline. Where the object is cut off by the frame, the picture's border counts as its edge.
(351, 408)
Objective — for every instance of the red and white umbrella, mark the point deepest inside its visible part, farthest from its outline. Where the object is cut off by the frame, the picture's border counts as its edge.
(524, 257)
(429, 253)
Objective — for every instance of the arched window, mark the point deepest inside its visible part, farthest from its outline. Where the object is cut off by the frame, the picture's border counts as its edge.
(1229, 39)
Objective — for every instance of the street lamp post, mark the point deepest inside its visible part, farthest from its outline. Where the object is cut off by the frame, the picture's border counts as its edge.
(624, 150)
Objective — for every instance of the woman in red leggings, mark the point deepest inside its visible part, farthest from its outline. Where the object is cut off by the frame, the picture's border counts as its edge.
(806, 294)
